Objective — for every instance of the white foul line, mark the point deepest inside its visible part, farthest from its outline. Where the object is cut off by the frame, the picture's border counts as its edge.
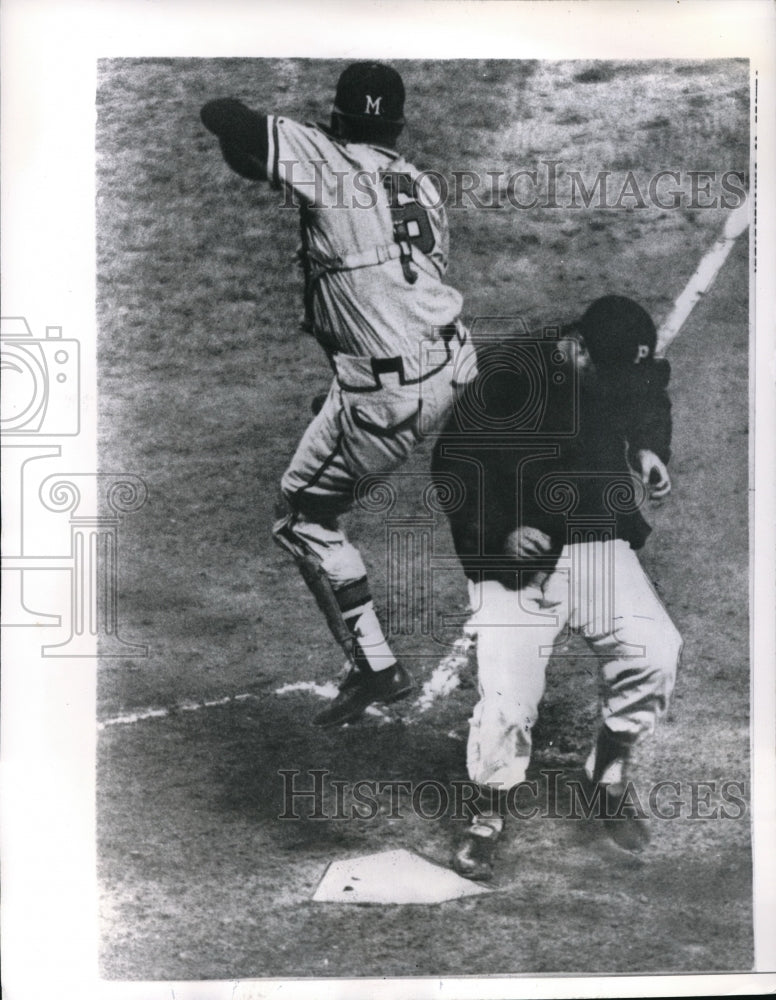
(142, 714)
(702, 279)
(443, 680)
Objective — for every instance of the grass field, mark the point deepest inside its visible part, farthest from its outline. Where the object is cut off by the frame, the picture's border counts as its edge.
(205, 386)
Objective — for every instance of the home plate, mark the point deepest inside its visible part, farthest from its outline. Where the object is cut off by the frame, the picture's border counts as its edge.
(392, 877)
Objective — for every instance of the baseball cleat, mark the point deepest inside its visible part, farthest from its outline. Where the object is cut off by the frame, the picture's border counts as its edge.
(360, 689)
(628, 828)
(624, 821)
(474, 857)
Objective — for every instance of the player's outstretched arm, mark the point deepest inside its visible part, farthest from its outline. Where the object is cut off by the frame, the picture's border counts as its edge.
(242, 134)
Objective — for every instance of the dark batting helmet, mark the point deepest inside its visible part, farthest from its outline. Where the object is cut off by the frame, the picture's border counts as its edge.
(618, 330)
(370, 91)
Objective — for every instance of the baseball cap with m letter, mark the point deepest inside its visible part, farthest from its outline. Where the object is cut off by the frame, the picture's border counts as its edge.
(370, 91)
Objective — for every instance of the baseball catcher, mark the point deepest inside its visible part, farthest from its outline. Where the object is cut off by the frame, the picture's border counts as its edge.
(547, 534)
(374, 243)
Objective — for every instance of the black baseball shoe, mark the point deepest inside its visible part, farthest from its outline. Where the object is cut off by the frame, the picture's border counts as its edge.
(360, 689)
(620, 811)
(624, 821)
(474, 857)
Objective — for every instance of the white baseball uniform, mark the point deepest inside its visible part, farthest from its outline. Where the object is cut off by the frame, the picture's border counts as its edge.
(374, 243)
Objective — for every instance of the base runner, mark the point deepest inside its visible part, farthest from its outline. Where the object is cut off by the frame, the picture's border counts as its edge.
(546, 534)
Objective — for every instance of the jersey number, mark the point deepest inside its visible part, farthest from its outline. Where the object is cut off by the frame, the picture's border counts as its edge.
(410, 219)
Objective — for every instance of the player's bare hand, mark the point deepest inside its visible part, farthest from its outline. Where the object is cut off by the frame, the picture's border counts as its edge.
(525, 542)
(654, 475)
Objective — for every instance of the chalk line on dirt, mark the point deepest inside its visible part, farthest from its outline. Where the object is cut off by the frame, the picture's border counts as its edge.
(443, 680)
(127, 718)
(447, 674)
(703, 278)
(327, 690)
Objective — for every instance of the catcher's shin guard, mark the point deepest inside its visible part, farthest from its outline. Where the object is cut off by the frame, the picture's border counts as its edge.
(318, 582)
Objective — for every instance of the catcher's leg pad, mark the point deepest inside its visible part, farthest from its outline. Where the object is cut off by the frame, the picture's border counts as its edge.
(318, 582)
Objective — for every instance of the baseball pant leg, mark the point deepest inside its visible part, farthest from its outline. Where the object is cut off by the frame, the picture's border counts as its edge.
(363, 430)
(319, 485)
(515, 631)
(637, 645)
(318, 482)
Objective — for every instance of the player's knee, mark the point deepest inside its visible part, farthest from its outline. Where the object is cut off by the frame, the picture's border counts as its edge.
(283, 535)
(322, 508)
(672, 651)
(663, 658)
(309, 539)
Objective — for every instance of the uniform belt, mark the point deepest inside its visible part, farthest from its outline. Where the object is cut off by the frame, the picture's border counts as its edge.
(352, 261)
(358, 373)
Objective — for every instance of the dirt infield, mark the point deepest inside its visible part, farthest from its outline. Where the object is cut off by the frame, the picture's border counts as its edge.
(205, 387)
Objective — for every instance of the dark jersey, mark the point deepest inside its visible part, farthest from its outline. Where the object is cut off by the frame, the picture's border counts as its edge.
(525, 447)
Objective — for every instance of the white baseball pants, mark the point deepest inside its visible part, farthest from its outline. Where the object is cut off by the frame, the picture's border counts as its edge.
(600, 591)
(369, 424)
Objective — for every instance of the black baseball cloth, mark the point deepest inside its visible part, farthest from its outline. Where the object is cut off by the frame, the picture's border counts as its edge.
(553, 453)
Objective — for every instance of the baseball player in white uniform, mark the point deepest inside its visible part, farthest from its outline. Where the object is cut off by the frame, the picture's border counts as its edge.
(547, 535)
(374, 243)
